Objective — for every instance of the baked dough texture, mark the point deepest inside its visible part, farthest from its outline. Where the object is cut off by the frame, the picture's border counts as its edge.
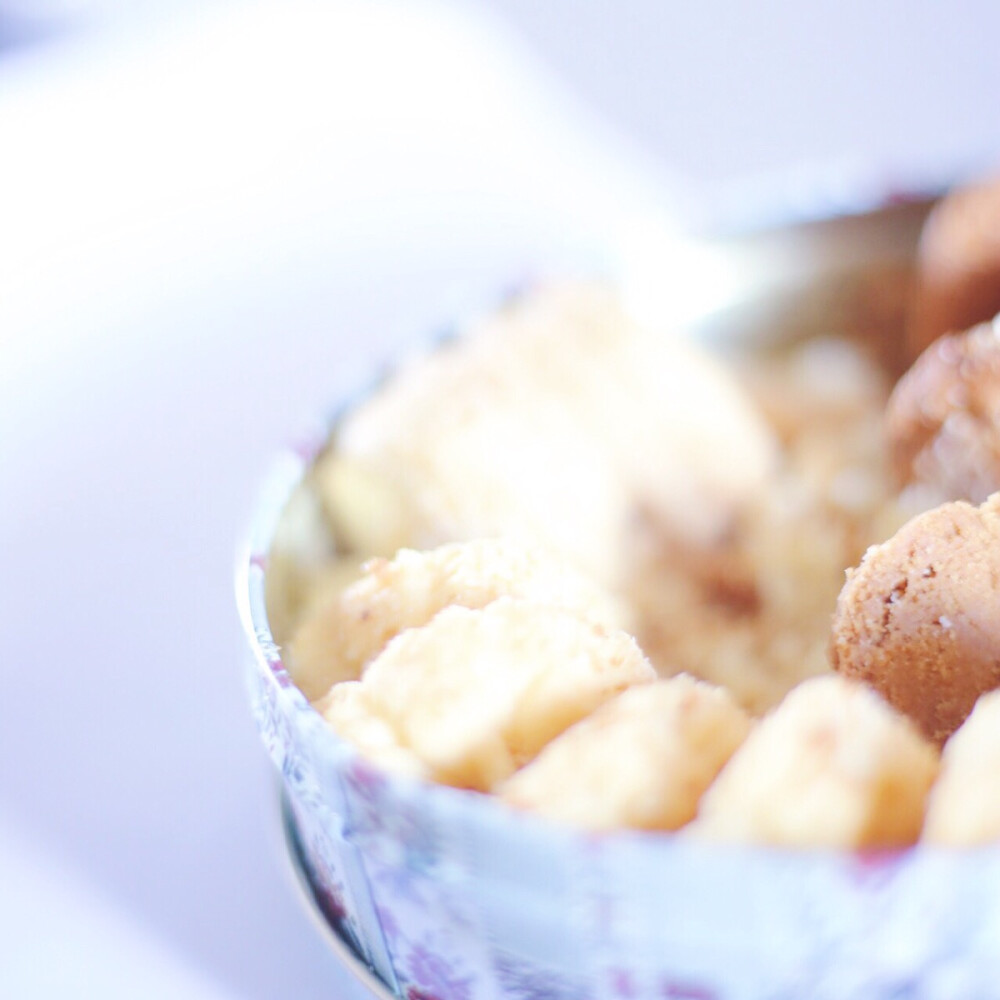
(340, 634)
(918, 618)
(641, 760)
(555, 419)
(958, 265)
(943, 418)
(477, 693)
(964, 807)
(831, 766)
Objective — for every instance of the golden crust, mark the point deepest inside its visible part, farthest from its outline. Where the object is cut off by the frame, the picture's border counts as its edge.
(958, 266)
(917, 619)
(943, 418)
(641, 760)
(474, 694)
(340, 634)
(832, 766)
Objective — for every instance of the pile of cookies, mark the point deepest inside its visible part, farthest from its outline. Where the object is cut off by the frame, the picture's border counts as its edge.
(590, 568)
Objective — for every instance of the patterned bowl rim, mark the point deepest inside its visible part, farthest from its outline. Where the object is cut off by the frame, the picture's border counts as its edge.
(298, 872)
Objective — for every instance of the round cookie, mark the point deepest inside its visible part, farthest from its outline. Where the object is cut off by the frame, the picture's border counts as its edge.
(943, 418)
(919, 619)
(958, 265)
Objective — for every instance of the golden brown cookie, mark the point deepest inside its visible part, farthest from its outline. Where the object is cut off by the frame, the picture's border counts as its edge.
(943, 418)
(918, 619)
(958, 265)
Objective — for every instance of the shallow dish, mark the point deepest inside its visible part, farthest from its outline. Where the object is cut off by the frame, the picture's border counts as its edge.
(448, 895)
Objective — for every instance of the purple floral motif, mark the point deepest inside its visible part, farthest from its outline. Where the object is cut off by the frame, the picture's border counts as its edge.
(875, 868)
(331, 902)
(398, 883)
(622, 985)
(271, 720)
(366, 778)
(367, 786)
(390, 926)
(280, 673)
(674, 990)
(388, 820)
(435, 977)
(521, 980)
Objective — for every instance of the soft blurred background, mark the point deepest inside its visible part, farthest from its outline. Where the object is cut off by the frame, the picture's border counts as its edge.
(215, 218)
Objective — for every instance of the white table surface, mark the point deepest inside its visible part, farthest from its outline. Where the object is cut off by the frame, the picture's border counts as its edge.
(208, 232)
(210, 226)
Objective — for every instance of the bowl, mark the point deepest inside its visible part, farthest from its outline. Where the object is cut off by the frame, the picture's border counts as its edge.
(433, 893)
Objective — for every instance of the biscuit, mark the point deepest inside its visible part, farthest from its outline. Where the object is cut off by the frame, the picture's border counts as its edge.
(348, 713)
(918, 618)
(958, 265)
(943, 418)
(340, 634)
(964, 805)
(641, 760)
(831, 766)
(477, 693)
(555, 420)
